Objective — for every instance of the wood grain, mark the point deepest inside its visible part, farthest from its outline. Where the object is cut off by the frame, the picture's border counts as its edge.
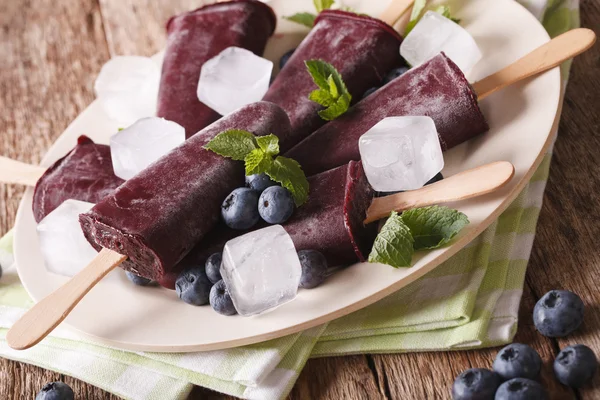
(51, 50)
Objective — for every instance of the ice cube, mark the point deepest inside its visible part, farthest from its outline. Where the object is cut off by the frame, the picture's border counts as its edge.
(136, 147)
(127, 88)
(232, 79)
(261, 270)
(64, 248)
(401, 153)
(435, 33)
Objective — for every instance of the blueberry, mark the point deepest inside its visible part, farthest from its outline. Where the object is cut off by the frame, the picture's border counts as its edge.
(259, 182)
(475, 384)
(284, 58)
(276, 205)
(575, 365)
(213, 267)
(558, 313)
(239, 210)
(138, 280)
(314, 268)
(393, 74)
(220, 300)
(521, 389)
(517, 360)
(193, 286)
(435, 179)
(369, 92)
(55, 391)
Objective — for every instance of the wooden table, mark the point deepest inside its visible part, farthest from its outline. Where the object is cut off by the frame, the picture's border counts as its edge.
(50, 52)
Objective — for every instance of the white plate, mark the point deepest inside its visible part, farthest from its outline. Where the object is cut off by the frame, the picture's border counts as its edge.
(521, 117)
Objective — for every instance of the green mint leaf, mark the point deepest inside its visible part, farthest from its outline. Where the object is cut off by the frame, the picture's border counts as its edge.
(415, 15)
(394, 243)
(322, 97)
(328, 79)
(318, 70)
(289, 173)
(321, 5)
(120, 129)
(306, 19)
(233, 143)
(340, 107)
(434, 226)
(333, 89)
(444, 11)
(269, 144)
(257, 162)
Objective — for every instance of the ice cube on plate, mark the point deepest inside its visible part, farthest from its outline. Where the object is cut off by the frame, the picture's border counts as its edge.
(127, 88)
(64, 248)
(401, 153)
(136, 147)
(261, 270)
(435, 33)
(232, 79)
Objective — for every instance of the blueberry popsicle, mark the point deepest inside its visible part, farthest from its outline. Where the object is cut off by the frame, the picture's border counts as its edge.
(156, 217)
(194, 38)
(361, 48)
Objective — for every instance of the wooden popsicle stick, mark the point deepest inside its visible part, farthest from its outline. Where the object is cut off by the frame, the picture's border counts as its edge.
(45, 315)
(19, 173)
(395, 11)
(465, 185)
(545, 57)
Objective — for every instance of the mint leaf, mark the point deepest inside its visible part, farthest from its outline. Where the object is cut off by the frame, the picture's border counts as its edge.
(434, 226)
(394, 243)
(337, 109)
(233, 143)
(289, 173)
(333, 89)
(269, 144)
(306, 19)
(257, 162)
(319, 71)
(415, 15)
(322, 97)
(321, 5)
(333, 92)
(444, 11)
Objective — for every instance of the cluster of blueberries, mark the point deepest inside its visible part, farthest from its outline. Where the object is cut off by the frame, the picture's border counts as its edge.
(517, 366)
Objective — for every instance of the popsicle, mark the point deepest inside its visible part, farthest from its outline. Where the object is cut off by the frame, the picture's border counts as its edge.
(156, 217)
(361, 48)
(197, 36)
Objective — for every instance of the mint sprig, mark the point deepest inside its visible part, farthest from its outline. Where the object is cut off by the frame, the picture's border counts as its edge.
(260, 155)
(394, 243)
(418, 11)
(321, 5)
(332, 93)
(305, 18)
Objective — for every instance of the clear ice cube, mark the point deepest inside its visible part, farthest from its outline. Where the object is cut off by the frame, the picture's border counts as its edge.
(64, 248)
(232, 79)
(261, 270)
(136, 147)
(435, 33)
(127, 88)
(401, 153)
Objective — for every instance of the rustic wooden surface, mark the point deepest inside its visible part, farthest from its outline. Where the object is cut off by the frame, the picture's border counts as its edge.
(50, 51)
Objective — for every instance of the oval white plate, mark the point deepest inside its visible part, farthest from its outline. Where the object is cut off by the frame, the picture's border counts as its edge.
(521, 117)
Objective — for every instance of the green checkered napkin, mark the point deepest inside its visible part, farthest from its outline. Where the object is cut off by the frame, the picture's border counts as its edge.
(470, 301)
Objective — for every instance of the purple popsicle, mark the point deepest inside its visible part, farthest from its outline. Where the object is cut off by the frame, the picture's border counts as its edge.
(361, 48)
(194, 38)
(437, 89)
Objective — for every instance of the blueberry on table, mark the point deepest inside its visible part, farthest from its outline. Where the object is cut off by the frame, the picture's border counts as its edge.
(276, 205)
(393, 74)
(314, 268)
(55, 391)
(521, 389)
(284, 58)
(220, 300)
(369, 92)
(213, 267)
(138, 280)
(517, 360)
(575, 365)
(558, 313)
(475, 384)
(259, 182)
(240, 209)
(193, 286)
(435, 179)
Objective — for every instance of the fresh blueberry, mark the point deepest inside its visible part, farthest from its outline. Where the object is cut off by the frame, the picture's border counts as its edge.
(521, 389)
(575, 365)
(393, 74)
(276, 205)
(314, 268)
(259, 182)
(517, 360)
(435, 179)
(213, 267)
(284, 58)
(220, 300)
(558, 313)
(138, 280)
(193, 286)
(239, 210)
(55, 391)
(369, 92)
(475, 384)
